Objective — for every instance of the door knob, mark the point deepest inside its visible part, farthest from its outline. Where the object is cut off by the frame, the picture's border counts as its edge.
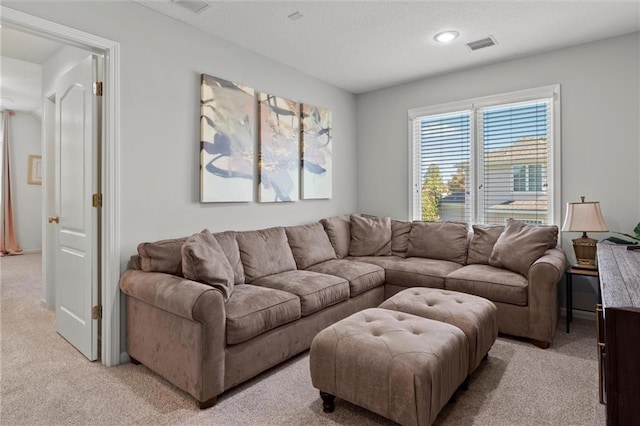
(55, 219)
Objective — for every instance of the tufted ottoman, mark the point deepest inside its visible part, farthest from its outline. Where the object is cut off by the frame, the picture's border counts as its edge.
(475, 316)
(395, 364)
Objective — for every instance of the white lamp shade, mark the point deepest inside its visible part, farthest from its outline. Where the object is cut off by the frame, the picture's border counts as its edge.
(584, 217)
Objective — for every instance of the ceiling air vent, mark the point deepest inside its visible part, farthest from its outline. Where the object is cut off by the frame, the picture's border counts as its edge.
(195, 6)
(482, 43)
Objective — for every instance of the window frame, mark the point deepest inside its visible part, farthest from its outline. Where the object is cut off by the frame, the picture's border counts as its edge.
(554, 184)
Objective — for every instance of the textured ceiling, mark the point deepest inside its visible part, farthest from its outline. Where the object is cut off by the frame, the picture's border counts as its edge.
(364, 45)
(26, 47)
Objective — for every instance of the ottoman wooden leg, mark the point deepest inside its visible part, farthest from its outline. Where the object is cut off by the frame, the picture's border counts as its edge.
(328, 402)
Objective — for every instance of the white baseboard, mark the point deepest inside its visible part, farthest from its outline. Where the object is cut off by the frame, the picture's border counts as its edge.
(124, 358)
(31, 251)
(577, 313)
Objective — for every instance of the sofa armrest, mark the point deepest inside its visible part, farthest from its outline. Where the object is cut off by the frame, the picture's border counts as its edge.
(544, 275)
(170, 293)
(549, 267)
(176, 327)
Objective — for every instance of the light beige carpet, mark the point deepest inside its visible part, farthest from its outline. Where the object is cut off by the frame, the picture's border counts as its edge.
(44, 380)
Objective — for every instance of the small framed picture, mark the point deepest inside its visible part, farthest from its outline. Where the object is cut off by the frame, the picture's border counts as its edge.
(34, 176)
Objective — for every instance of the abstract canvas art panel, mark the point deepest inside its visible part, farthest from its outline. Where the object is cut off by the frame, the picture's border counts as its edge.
(227, 117)
(317, 152)
(279, 149)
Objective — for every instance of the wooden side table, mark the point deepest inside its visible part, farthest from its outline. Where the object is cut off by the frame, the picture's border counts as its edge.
(569, 273)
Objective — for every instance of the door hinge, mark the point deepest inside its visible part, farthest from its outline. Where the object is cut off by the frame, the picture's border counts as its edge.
(96, 200)
(97, 88)
(96, 312)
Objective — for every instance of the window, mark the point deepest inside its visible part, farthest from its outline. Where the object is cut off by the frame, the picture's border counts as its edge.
(486, 160)
(527, 178)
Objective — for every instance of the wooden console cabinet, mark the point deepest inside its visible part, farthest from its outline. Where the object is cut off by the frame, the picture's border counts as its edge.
(619, 333)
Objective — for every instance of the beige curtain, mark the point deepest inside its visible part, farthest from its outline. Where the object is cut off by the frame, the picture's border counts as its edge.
(8, 241)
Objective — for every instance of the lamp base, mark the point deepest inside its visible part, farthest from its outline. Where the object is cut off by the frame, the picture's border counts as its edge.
(585, 251)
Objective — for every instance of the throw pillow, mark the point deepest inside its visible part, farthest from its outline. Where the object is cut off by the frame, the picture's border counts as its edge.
(439, 240)
(227, 241)
(370, 236)
(204, 261)
(162, 256)
(482, 242)
(309, 244)
(400, 231)
(338, 229)
(520, 245)
(399, 235)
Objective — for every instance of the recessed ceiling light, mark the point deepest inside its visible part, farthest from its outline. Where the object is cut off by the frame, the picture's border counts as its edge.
(446, 36)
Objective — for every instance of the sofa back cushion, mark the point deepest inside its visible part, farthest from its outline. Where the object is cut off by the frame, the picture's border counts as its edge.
(370, 236)
(482, 242)
(204, 261)
(229, 245)
(264, 252)
(400, 231)
(520, 245)
(162, 256)
(439, 240)
(338, 228)
(309, 244)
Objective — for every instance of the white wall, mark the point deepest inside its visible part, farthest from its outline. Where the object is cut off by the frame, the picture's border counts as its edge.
(161, 63)
(25, 139)
(600, 87)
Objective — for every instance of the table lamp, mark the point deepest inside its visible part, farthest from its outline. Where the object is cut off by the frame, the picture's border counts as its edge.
(584, 217)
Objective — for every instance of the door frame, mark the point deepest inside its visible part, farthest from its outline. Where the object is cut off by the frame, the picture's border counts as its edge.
(110, 176)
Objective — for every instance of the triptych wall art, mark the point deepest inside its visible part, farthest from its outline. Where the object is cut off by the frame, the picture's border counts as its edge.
(294, 146)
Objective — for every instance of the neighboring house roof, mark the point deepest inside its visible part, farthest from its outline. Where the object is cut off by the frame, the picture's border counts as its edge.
(454, 198)
(518, 205)
(527, 150)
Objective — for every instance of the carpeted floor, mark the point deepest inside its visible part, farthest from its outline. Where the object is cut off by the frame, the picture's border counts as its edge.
(44, 380)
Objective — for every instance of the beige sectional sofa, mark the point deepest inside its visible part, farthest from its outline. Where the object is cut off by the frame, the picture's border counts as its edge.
(210, 311)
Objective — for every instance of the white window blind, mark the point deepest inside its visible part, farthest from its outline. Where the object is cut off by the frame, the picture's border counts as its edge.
(489, 161)
(444, 152)
(515, 160)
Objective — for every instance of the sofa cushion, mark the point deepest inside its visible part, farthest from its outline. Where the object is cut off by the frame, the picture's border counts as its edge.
(253, 310)
(413, 271)
(382, 261)
(204, 261)
(370, 236)
(439, 240)
(316, 291)
(400, 231)
(361, 276)
(227, 241)
(495, 284)
(482, 242)
(309, 244)
(162, 256)
(264, 252)
(338, 229)
(520, 245)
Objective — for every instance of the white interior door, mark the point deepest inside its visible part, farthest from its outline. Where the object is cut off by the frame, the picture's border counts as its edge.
(76, 180)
